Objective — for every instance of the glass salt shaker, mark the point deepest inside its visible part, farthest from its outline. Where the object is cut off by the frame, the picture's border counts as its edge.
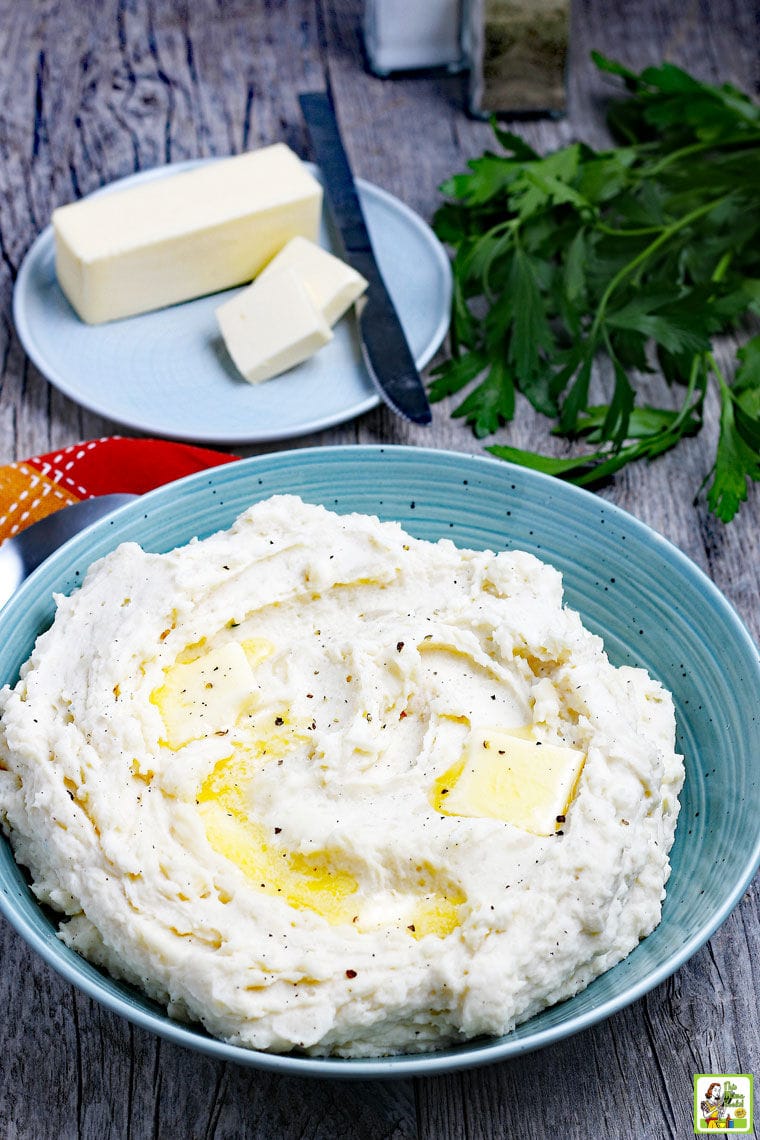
(411, 35)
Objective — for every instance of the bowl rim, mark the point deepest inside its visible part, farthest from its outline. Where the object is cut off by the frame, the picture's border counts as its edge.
(477, 1051)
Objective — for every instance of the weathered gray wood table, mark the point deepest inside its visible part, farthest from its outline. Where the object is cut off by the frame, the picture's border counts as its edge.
(93, 90)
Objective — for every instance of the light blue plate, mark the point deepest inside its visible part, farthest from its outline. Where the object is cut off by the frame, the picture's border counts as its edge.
(168, 373)
(651, 604)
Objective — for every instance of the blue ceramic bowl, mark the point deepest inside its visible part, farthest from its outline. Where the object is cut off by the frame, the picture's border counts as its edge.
(651, 605)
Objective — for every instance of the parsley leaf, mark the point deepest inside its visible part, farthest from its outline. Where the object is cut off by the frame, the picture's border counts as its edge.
(735, 461)
(738, 454)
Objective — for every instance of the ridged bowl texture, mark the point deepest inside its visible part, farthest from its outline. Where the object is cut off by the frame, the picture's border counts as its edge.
(652, 606)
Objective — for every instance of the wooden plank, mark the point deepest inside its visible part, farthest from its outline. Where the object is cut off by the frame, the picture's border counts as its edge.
(630, 1076)
(94, 91)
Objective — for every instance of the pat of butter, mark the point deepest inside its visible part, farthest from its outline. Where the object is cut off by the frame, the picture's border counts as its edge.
(271, 326)
(332, 285)
(517, 780)
(174, 238)
(205, 695)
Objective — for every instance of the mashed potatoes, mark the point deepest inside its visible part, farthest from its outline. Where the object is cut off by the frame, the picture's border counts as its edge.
(323, 786)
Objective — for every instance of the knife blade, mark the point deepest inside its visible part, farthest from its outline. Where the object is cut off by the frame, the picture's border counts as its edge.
(385, 349)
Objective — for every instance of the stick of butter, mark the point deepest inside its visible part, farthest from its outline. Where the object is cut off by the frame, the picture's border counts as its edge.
(332, 285)
(183, 236)
(271, 326)
(517, 780)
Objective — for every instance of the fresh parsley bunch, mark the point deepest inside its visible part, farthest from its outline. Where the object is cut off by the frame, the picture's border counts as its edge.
(644, 253)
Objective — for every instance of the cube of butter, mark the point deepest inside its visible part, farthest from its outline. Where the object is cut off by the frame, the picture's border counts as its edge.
(517, 780)
(182, 236)
(332, 285)
(271, 326)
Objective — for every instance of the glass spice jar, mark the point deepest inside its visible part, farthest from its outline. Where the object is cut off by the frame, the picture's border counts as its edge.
(411, 35)
(517, 53)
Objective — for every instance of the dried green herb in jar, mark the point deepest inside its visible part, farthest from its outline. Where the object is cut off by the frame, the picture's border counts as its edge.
(517, 51)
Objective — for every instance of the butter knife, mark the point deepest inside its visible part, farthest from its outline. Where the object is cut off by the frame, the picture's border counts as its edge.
(385, 348)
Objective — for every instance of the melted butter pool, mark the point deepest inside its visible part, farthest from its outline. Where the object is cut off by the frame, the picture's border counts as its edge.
(213, 690)
(314, 882)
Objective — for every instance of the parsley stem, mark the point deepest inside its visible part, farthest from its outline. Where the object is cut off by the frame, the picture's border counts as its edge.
(509, 224)
(722, 266)
(726, 412)
(699, 359)
(695, 148)
(627, 233)
(640, 258)
(718, 371)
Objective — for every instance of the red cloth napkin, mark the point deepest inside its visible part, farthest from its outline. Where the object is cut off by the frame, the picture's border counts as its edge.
(34, 488)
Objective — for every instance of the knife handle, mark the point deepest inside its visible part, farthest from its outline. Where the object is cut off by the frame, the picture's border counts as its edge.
(319, 114)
